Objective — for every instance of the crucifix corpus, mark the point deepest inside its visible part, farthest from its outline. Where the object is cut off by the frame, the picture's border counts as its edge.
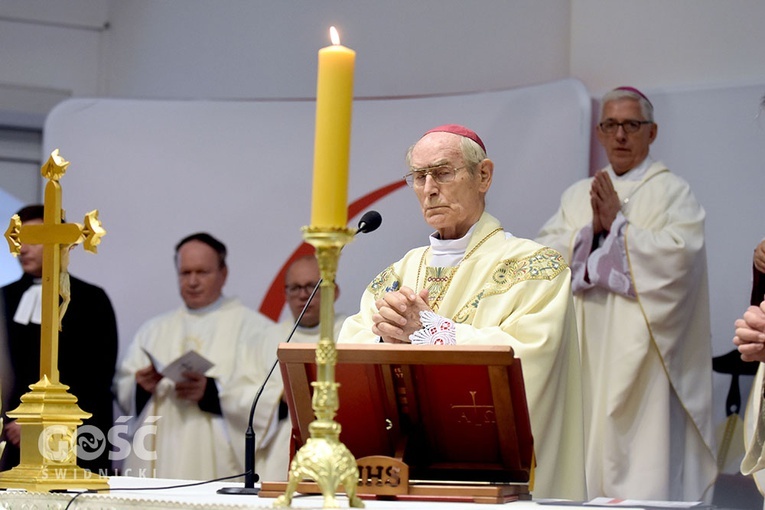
(49, 415)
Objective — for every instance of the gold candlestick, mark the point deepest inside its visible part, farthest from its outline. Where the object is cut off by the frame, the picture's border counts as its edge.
(323, 458)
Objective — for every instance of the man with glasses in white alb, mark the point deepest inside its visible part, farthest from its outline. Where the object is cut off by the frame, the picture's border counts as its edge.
(634, 237)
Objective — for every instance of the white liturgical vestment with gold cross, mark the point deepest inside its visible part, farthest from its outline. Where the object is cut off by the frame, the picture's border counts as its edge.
(509, 291)
(646, 345)
(189, 443)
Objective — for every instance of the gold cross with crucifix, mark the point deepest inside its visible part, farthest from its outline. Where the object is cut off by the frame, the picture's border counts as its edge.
(57, 238)
(49, 408)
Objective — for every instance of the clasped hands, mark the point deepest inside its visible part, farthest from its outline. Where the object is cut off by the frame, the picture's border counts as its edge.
(750, 334)
(605, 203)
(398, 314)
(192, 388)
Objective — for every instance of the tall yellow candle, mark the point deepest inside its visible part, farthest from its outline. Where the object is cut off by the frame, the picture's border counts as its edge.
(332, 142)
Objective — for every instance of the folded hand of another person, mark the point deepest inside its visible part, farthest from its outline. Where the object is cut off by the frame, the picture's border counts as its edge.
(605, 202)
(750, 334)
(759, 257)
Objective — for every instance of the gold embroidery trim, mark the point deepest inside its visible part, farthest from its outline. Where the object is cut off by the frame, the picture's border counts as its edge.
(544, 264)
(386, 281)
(437, 280)
(441, 277)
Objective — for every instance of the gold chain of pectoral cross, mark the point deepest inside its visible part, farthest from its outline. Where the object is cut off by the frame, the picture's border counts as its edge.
(442, 277)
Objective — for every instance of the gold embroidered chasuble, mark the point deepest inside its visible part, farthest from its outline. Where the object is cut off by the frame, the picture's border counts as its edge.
(646, 361)
(509, 291)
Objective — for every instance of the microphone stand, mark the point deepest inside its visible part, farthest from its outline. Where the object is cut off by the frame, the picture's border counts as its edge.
(250, 477)
(368, 223)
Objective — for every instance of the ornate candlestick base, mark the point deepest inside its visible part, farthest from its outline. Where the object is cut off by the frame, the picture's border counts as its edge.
(323, 458)
(48, 417)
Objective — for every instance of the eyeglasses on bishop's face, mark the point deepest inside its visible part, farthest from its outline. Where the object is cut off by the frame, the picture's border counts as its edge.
(629, 126)
(441, 174)
(296, 290)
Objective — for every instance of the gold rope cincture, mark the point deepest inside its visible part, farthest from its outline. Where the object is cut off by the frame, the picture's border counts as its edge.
(444, 276)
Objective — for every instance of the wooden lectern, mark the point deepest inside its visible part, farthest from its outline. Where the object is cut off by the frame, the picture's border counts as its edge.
(424, 422)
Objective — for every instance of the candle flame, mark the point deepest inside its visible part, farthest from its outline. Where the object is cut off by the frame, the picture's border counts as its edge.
(334, 36)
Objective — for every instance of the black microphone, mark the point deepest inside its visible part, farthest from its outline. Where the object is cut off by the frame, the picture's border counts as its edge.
(369, 222)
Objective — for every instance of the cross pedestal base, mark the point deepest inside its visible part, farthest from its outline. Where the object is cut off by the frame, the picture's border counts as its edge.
(48, 417)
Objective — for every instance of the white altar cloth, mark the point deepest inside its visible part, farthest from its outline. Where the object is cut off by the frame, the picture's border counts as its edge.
(135, 493)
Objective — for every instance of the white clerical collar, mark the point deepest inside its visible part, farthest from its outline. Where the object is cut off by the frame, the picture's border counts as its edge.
(636, 174)
(448, 252)
(209, 308)
(30, 306)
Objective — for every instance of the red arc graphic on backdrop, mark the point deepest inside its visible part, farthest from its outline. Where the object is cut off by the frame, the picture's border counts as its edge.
(273, 301)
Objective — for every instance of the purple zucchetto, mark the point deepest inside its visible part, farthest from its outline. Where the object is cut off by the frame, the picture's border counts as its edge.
(635, 91)
(458, 130)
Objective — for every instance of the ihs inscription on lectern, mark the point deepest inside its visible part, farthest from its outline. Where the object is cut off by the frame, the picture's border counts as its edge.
(379, 475)
(382, 475)
(473, 413)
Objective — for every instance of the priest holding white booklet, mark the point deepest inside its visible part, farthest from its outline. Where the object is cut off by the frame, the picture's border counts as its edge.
(190, 429)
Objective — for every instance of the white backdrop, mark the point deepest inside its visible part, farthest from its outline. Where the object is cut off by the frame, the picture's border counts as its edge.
(159, 170)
